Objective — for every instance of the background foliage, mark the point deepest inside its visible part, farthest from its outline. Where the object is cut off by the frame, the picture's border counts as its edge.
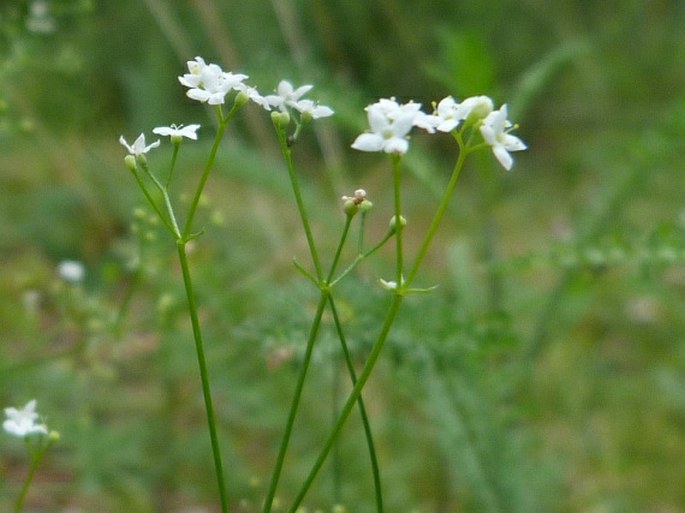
(545, 374)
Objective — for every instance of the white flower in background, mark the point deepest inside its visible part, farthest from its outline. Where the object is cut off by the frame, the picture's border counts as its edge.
(390, 124)
(287, 96)
(22, 423)
(495, 130)
(209, 83)
(311, 109)
(138, 148)
(71, 271)
(178, 132)
(39, 20)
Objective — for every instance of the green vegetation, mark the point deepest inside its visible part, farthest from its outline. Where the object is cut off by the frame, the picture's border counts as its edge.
(545, 374)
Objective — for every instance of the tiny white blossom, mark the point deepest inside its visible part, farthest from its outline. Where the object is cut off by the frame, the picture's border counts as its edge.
(448, 113)
(390, 124)
(208, 82)
(22, 423)
(495, 130)
(314, 111)
(138, 148)
(71, 271)
(178, 131)
(286, 95)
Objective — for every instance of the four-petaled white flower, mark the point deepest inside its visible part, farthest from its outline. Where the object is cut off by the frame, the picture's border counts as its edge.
(71, 271)
(390, 124)
(287, 96)
(495, 130)
(312, 110)
(209, 83)
(22, 423)
(138, 148)
(177, 132)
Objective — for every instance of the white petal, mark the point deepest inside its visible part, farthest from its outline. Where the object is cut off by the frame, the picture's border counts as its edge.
(368, 142)
(503, 156)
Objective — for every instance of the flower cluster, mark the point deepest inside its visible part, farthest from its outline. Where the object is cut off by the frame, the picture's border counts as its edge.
(390, 124)
(208, 83)
(22, 423)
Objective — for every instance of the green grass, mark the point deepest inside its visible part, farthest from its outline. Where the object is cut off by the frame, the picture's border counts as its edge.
(544, 374)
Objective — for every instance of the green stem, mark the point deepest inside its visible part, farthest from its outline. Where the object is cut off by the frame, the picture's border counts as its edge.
(204, 375)
(362, 409)
(399, 258)
(442, 208)
(338, 251)
(351, 400)
(223, 122)
(295, 184)
(35, 460)
(152, 202)
(268, 502)
(175, 231)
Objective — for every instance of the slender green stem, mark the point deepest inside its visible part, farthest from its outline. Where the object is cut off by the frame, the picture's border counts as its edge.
(440, 211)
(204, 375)
(338, 251)
(223, 122)
(362, 409)
(152, 202)
(172, 166)
(361, 257)
(399, 257)
(316, 323)
(295, 184)
(35, 460)
(175, 231)
(351, 400)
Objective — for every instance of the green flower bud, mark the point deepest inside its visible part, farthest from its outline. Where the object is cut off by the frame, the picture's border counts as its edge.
(393, 223)
(241, 99)
(350, 207)
(280, 119)
(130, 161)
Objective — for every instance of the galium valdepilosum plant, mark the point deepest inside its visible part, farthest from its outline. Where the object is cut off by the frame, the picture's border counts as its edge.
(474, 123)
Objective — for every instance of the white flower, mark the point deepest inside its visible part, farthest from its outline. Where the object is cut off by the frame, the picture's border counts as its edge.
(208, 82)
(253, 95)
(390, 123)
(71, 271)
(311, 109)
(495, 130)
(178, 132)
(138, 147)
(22, 423)
(286, 95)
(448, 113)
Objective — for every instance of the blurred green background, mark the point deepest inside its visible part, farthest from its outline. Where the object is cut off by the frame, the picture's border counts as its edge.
(547, 372)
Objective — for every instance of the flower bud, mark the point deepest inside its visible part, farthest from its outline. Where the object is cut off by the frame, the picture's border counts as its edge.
(393, 223)
(130, 161)
(280, 119)
(350, 207)
(365, 206)
(241, 99)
